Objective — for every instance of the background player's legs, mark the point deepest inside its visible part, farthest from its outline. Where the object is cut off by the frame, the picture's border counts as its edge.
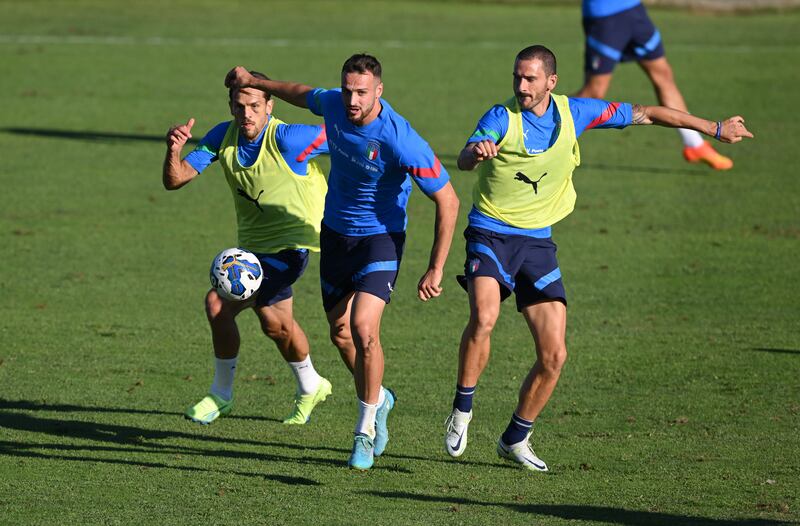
(547, 322)
(221, 316)
(595, 86)
(365, 320)
(473, 353)
(278, 323)
(695, 148)
(340, 334)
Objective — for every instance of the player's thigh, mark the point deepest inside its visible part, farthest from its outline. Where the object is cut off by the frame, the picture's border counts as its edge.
(547, 322)
(484, 300)
(367, 311)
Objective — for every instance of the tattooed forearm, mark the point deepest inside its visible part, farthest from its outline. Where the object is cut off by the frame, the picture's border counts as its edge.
(638, 115)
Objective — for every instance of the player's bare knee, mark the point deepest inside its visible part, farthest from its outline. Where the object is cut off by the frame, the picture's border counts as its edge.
(482, 322)
(214, 306)
(367, 337)
(553, 358)
(278, 332)
(340, 336)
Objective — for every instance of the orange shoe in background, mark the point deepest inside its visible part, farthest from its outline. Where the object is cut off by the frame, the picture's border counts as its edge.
(707, 154)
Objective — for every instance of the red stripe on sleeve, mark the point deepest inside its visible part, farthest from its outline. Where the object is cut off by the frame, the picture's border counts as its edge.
(605, 116)
(322, 137)
(428, 173)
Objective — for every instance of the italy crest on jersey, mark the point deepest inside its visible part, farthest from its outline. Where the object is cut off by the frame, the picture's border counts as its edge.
(372, 150)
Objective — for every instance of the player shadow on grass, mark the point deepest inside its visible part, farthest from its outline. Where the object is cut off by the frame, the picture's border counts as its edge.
(451, 161)
(93, 136)
(777, 351)
(583, 512)
(130, 439)
(129, 436)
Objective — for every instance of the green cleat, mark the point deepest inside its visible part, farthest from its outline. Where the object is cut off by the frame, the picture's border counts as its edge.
(304, 404)
(208, 409)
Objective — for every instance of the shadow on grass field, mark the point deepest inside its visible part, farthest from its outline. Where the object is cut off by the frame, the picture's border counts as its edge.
(586, 513)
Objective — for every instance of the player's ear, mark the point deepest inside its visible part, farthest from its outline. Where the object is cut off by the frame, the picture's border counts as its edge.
(270, 103)
(552, 80)
(379, 89)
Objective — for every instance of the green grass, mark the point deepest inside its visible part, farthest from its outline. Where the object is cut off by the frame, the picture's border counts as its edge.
(680, 403)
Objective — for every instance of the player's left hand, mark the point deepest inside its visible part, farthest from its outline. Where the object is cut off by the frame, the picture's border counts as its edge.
(733, 130)
(429, 286)
(238, 77)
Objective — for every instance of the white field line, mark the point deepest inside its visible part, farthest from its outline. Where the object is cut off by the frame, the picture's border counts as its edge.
(349, 44)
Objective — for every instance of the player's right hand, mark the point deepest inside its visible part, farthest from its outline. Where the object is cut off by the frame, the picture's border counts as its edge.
(484, 150)
(733, 130)
(179, 134)
(238, 77)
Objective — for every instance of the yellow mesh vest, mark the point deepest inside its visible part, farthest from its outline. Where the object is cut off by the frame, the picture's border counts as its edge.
(529, 190)
(276, 209)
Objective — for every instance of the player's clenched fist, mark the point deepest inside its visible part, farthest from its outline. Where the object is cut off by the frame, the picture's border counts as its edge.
(178, 135)
(484, 150)
(238, 77)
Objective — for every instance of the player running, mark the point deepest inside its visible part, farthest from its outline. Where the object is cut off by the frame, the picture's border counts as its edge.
(621, 31)
(375, 154)
(526, 149)
(278, 191)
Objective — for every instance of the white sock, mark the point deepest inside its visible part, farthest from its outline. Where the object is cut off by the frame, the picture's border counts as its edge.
(366, 419)
(690, 138)
(223, 377)
(306, 376)
(382, 396)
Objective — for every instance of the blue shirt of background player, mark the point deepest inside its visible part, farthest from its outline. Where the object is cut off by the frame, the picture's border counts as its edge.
(601, 8)
(293, 141)
(539, 134)
(372, 167)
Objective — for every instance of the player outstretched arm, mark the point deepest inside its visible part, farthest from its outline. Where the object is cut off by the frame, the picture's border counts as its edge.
(730, 130)
(177, 172)
(291, 92)
(446, 201)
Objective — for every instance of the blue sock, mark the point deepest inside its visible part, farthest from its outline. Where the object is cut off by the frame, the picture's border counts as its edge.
(463, 399)
(518, 428)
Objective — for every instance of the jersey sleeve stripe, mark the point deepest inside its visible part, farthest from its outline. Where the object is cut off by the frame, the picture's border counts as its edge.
(605, 116)
(322, 137)
(426, 173)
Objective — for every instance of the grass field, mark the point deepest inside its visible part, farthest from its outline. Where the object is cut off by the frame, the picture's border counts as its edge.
(680, 402)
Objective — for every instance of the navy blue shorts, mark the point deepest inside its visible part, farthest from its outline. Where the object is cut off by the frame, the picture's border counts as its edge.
(281, 270)
(522, 264)
(621, 37)
(358, 264)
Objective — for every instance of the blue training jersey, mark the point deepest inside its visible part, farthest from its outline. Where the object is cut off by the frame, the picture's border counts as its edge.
(601, 8)
(372, 167)
(298, 143)
(539, 134)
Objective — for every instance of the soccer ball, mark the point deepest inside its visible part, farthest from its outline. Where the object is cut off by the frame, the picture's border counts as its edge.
(236, 274)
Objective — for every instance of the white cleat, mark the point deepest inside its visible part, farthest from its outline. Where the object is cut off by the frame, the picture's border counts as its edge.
(455, 436)
(521, 453)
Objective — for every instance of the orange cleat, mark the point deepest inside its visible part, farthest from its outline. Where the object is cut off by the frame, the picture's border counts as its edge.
(706, 153)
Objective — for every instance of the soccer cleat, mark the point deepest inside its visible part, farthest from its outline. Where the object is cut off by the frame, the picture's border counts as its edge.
(209, 409)
(381, 431)
(363, 452)
(707, 154)
(455, 435)
(304, 404)
(521, 453)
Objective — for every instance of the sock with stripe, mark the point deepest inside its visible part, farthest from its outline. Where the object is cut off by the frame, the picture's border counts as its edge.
(517, 430)
(463, 398)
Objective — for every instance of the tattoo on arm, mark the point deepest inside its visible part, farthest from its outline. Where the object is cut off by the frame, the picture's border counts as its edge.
(638, 114)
